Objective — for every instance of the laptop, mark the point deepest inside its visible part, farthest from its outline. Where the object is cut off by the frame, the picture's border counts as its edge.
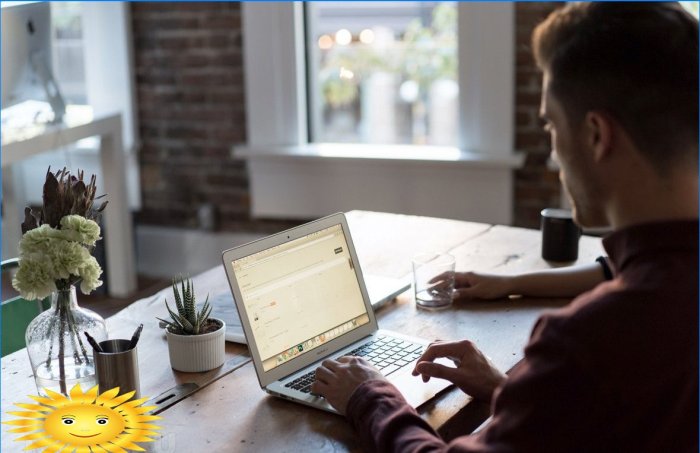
(381, 290)
(301, 299)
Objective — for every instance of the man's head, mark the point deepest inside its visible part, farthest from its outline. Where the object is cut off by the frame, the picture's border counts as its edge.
(628, 67)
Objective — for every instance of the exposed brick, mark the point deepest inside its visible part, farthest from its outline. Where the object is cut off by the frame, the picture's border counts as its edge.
(535, 186)
(526, 118)
(528, 98)
(529, 82)
(531, 140)
(189, 75)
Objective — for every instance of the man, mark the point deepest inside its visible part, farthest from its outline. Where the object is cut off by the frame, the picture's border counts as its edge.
(617, 369)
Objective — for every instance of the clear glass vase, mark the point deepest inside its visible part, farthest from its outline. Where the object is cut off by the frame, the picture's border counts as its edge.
(58, 350)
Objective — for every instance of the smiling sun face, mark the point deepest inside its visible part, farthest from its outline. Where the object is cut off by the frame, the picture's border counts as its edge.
(82, 425)
(85, 420)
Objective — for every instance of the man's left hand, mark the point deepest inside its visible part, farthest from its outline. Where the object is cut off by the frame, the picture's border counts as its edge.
(336, 380)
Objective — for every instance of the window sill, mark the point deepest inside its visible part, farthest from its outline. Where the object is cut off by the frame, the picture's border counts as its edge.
(382, 153)
(304, 182)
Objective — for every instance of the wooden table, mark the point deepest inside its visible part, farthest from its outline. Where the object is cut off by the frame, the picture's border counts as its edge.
(230, 412)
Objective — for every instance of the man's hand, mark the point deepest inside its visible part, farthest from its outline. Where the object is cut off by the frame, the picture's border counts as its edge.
(472, 285)
(337, 379)
(474, 373)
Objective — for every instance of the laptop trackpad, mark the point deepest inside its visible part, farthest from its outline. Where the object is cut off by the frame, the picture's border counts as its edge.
(415, 390)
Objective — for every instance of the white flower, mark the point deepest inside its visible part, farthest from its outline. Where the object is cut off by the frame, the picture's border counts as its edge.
(66, 257)
(90, 273)
(38, 239)
(47, 255)
(34, 279)
(78, 228)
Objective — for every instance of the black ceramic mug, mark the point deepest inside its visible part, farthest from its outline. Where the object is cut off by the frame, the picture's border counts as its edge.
(560, 235)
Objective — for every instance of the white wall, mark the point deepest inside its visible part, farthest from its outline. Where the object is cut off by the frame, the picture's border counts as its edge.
(168, 252)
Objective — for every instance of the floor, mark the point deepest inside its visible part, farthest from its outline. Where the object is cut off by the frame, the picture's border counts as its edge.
(103, 304)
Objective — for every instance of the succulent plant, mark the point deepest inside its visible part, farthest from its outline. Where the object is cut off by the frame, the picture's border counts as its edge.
(187, 320)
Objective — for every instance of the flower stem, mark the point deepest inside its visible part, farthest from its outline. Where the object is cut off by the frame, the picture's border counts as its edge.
(61, 347)
(64, 327)
(51, 327)
(76, 335)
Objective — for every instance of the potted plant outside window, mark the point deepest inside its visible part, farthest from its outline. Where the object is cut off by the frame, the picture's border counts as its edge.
(196, 342)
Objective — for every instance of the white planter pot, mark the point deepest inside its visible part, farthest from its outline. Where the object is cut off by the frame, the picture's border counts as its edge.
(195, 353)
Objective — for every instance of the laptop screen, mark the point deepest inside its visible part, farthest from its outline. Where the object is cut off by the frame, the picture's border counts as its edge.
(300, 295)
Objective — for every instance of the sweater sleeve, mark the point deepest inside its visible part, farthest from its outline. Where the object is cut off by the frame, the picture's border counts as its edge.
(532, 410)
(385, 422)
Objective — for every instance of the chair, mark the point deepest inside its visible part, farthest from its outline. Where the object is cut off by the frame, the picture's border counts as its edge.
(16, 315)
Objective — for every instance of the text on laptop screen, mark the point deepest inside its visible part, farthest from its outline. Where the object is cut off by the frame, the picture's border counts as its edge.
(300, 295)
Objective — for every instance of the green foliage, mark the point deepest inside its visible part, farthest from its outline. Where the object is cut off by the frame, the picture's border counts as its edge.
(429, 52)
(424, 54)
(187, 320)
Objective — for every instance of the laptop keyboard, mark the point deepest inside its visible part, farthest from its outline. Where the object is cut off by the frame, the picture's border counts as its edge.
(388, 354)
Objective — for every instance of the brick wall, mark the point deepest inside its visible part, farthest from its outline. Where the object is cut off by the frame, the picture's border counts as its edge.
(536, 187)
(191, 109)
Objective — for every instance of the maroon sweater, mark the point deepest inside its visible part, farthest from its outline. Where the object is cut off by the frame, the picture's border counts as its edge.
(616, 370)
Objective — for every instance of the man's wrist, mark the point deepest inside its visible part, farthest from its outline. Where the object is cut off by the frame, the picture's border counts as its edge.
(362, 397)
(487, 390)
(510, 285)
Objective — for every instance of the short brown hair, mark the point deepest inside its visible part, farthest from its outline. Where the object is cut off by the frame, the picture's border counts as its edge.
(636, 61)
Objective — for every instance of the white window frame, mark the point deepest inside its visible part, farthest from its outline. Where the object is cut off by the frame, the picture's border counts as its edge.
(282, 161)
(110, 78)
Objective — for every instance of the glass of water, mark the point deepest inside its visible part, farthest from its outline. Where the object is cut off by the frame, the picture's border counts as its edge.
(433, 279)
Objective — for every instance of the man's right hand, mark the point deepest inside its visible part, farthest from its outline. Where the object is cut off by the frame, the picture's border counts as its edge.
(473, 373)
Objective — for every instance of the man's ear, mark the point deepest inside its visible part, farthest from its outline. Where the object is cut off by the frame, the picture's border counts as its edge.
(599, 134)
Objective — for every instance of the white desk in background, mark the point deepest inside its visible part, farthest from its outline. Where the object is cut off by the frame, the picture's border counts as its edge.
(20, 142)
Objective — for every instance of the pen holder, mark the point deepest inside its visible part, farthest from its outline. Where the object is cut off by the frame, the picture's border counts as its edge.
(117, 366)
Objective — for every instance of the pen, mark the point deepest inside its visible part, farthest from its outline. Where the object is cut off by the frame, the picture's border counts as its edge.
(135, 337)
(93, 343)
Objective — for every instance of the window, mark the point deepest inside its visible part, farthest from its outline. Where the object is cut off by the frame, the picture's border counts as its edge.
(382, 72)
(67, 51)
(336, 150)
(276, 55)
(90, 53)
(692, 7)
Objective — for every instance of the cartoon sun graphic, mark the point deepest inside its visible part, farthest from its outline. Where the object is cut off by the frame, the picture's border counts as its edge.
(85, 422)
